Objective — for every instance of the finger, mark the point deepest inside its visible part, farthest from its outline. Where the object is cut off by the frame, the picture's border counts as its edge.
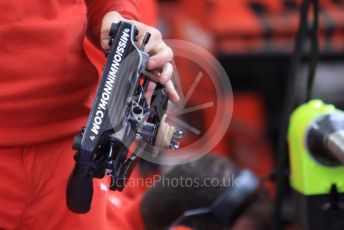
(109, 18)
(104, 38)
(105, 43)
(154, 42)
(155, 38)
(171, 92)
(166, 73)
(152, 75)
(163, 54)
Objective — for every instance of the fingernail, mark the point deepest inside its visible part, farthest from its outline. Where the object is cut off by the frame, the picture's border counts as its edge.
(174, 96)
(177, 98)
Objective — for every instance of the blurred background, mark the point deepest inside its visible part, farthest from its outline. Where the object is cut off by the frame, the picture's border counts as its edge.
(254, 41)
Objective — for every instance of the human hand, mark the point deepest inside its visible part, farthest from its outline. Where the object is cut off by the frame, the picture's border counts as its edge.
(161, 55)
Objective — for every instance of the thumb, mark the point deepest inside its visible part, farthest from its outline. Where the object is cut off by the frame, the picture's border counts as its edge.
(108, 19)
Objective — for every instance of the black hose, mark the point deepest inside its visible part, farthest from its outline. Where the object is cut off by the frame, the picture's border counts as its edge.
(282, 156)
(314, 55)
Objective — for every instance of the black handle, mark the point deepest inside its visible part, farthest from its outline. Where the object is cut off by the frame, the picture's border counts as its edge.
(80, 189)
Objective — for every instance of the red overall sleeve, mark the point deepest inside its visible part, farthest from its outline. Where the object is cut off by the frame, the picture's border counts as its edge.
(96, 9)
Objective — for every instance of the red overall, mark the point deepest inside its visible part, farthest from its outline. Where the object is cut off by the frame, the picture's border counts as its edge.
(45, 85)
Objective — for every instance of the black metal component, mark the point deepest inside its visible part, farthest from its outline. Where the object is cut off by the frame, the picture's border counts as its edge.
(318, 212)
(128, 167)
(80, 187)
(325, 140)
(159, 103)
(145, 41)
(118, 165)
(148, 132)
(120, 115)
(114, 29)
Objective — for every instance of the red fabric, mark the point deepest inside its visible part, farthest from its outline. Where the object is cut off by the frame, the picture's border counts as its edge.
(46, 78)
(32, 192)
(98, 8)
(133, 214)
(148, 11)
(181, 228)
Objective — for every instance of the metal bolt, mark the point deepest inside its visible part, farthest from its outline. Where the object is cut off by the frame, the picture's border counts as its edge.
(174, 145)
(177, 134)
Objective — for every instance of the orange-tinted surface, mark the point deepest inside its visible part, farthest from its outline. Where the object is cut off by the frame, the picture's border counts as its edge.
(46, 79)
(32, 190)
